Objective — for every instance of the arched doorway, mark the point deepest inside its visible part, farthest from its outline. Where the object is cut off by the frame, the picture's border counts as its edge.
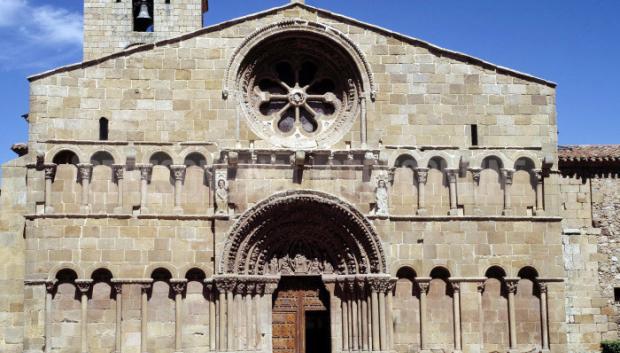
(321, 269)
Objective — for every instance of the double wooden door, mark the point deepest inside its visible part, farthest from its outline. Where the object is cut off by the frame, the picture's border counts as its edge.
(301, 316)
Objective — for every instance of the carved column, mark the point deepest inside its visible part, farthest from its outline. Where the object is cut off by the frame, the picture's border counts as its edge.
(49, 291)
(146, 171)
(119, 175)
(364, 314)
(354, 318)
(238, 315)
(212, 322)
(389, 302)
(540, 198)
(475, 174)
(85, 172)
(544, 316)
(118, 292)
(424, 286)
(84, 286)
(345, 316)
(507, 175)
(383, 316)
(456, 306)
(249, 316)
(511, 284)
(452, 175)
(422, 175)
(374, 302)
(178, 286)
(178, 173)
(222, 316)
(144, 302)
(50, 173)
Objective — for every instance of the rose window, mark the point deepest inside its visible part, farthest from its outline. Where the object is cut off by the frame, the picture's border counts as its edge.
(302, 95)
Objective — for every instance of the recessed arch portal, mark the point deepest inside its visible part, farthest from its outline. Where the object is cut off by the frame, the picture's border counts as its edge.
(302, 233)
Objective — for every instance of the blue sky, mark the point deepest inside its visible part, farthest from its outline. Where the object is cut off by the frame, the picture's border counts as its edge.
(574, 43)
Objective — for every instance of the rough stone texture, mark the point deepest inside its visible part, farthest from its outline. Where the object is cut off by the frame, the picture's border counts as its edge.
(449, 220)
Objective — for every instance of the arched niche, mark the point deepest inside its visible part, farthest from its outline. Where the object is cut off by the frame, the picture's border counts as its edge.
(301, 233)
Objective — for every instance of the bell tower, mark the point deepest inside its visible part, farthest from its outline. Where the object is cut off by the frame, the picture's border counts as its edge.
(113, 25)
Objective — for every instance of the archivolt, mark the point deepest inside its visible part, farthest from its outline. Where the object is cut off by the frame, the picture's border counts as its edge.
(305, 223)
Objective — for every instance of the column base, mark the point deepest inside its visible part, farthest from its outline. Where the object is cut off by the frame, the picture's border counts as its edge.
(422, 212)
(178, 210)
(477, 212)
(454, 212)
(507, 212)
(144, 210)
(539, 213)
(118, 210)
(48, 210)
(84, 209)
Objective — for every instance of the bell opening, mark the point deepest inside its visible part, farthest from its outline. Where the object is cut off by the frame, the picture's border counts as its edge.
(143, 20)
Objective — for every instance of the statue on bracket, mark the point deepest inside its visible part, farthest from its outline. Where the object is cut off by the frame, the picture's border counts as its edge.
(221, 193)
(381, 197)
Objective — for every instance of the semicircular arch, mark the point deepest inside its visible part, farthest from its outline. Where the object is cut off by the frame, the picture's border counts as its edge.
(302, 232)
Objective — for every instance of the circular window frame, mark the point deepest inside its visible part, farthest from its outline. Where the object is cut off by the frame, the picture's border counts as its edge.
(257, 51)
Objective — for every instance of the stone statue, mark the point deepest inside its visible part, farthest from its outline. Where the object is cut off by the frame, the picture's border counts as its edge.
(381, 198)
(221, 197)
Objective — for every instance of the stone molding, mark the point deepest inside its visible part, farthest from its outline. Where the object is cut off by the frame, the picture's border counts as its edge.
(236, 254)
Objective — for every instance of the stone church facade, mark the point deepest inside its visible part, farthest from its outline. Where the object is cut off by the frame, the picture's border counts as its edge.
(298, 181)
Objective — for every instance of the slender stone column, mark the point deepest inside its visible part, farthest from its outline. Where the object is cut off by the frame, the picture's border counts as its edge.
(178, 173)
(238, 316)
(475, 174)
(424, 286)
(146, 171)
(178, 286)
(374, 302)
(512, 322)
(363, 131)
(118, 295)
(354, 317)
(507, 175)
(544, 316)
(345, 316)
(222, 324)
(422, 175)
(540, 198)
(249, 317)
(49, 291)
(389, 302)
(144, 308)
(119, 175)
(50, 173)
(456, 306)
(85, 172)
(212, 329)
(383, 317)
(84, 286)
(364, 311)
(452, 175)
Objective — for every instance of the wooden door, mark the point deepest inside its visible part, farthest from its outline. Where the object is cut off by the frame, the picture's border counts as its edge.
(294, 298)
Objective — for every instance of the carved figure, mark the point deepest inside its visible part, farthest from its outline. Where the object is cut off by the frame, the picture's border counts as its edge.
(381, 198)
(221, 197)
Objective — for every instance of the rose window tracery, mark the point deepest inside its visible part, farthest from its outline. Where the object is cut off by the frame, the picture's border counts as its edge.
(299, 92)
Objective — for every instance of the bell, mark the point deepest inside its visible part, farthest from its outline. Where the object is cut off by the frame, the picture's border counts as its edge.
(144, 11)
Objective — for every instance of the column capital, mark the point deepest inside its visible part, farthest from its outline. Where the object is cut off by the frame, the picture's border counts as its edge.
(543, 287)
(119, 171)
(538, 174)
(85, 170)
(118, 287)
(511, 285)
(146, 171)
(422, 174)
(481, 286)
(452, 174)
(178, 285)
(49, 170)
(50, 285)
(83, 285)
(475, 173)
(507, 175)
(178, 172)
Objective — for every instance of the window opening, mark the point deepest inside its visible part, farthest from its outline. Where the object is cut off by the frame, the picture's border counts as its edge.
(103, 129)
(474, 135)
(143, 16)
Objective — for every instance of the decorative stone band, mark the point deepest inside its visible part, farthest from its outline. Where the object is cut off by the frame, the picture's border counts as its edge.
(244, 285)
